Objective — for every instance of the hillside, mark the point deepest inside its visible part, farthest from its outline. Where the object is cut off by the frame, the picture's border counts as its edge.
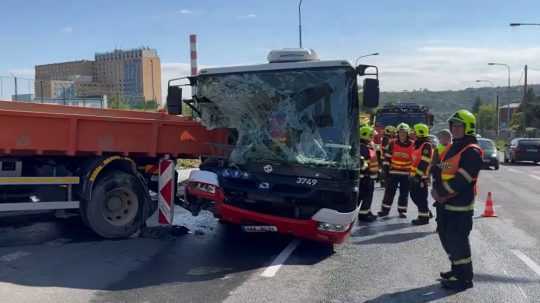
(444, 103)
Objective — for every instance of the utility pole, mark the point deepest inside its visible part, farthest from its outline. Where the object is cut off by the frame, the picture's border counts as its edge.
(498, 116)
(300, 22)
(525, 84)
(525, 94)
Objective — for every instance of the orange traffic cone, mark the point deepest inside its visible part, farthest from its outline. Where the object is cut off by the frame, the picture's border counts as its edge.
(488, 210)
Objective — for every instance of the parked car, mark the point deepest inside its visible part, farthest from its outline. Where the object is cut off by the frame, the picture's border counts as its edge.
(491, 156)
(523, 149)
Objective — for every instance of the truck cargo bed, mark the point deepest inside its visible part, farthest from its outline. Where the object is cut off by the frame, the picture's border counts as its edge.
(43, 129)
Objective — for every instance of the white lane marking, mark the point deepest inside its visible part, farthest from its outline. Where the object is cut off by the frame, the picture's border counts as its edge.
(534, 176)
(530, 263)
(271, 270)
(14, 256)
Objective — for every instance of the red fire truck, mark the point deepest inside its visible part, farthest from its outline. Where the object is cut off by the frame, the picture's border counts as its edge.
(393, 114)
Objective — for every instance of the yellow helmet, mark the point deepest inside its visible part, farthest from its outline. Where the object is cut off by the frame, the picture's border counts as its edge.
(390, 130)
(421, 130)
(467, 119)
(366, 133)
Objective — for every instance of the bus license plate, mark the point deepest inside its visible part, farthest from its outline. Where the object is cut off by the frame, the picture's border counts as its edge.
(532, 150)
(259, 228)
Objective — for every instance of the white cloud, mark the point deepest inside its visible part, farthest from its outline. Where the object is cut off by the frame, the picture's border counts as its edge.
(185, 12)
(432, 67)
(67, 30)
(452, 67)
(248, 16)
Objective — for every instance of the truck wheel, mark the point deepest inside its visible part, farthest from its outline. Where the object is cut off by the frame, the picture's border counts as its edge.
(115, 210)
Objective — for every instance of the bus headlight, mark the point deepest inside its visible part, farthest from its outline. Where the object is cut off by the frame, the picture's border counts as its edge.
(332, 227)
(207, 188)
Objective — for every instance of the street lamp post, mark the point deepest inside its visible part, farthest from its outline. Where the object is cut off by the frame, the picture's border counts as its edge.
(508, 116)
(496, 103)
(507, 67)
(300, 22)
(363, 56)
(525, 86)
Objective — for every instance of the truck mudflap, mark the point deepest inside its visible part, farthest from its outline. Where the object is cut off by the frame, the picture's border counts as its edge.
(327, 225)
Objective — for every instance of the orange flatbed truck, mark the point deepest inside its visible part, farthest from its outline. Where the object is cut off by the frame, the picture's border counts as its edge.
(102, 162)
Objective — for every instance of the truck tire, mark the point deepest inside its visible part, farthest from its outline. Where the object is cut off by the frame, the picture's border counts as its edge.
(116, 207)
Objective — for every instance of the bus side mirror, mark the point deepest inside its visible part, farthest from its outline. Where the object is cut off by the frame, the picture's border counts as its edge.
(174, 100)
(371, 93)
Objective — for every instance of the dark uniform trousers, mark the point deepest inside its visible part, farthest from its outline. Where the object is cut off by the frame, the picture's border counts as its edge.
(365, 196)
(395, 181)
(419, 195)
(454, 228)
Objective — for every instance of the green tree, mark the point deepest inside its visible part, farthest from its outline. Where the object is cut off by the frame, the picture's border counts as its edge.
(150, 105)
(528, 113)
(517, 124)
(486, 117)
(116, 102)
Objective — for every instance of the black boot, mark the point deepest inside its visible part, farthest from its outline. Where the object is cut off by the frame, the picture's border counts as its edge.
(447, 275)
(420, 221)
(372, 217)
(456, 284)
(402, 215)
(369, 217)
(382, 213)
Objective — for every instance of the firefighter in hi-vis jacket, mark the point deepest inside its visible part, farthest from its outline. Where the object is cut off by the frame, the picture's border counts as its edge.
(368, 174)
(420, 178)
(398, 161)
(454, 188)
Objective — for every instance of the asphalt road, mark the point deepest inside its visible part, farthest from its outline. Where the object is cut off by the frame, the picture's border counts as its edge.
(48, 259)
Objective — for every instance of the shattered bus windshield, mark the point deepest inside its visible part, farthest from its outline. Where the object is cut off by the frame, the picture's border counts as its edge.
(302, 117)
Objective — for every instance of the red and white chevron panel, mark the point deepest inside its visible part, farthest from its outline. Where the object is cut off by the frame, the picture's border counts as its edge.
(166, 192)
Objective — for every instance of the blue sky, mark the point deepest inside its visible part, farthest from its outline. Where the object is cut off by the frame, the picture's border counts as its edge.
(423, 44)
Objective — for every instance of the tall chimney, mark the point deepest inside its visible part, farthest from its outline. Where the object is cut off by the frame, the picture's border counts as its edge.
(193, 47)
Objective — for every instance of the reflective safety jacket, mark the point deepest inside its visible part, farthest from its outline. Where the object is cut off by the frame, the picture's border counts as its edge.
(422, 157)
(373, 163)
(459, 168)
(367, 150)
(400, 154)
